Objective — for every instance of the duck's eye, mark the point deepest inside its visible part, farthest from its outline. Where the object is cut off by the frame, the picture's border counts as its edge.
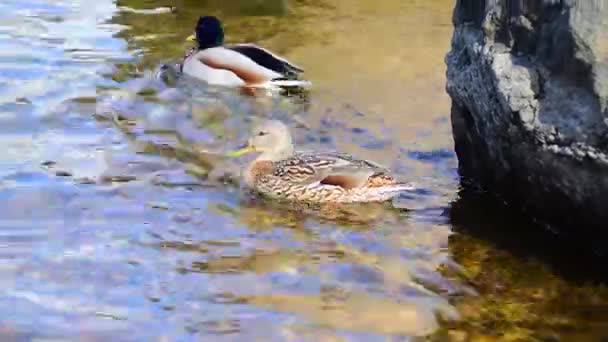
(262, 133)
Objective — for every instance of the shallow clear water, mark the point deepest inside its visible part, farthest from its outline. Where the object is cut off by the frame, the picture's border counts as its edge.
(119, 220)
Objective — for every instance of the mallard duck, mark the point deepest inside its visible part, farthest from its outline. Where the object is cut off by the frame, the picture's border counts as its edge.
(236, 65)
(322, 177)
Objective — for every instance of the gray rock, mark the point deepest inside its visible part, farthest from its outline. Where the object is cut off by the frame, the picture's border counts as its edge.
(529, 86)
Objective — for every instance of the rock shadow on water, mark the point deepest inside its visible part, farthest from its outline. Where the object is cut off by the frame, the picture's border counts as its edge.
(485, 217)
(533, 284)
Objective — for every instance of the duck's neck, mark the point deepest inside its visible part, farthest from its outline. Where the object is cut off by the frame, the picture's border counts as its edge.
(263, 163)
(208, 45)
(278, 154)
(210, 40)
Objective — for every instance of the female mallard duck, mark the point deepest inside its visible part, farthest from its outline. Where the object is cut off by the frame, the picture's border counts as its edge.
(238, 64)
(322, 177)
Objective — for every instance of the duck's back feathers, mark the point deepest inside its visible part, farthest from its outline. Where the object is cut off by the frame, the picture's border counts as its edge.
(330, 168)
(267, 59)
(325, 177)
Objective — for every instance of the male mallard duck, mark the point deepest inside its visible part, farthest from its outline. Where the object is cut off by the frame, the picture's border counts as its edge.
(237, 64)
(322, 177)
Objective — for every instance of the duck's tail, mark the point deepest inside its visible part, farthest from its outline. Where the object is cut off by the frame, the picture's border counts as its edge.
(381, 193)
(397, 188)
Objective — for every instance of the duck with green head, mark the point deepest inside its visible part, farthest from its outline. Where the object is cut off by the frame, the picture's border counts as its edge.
(236, 65)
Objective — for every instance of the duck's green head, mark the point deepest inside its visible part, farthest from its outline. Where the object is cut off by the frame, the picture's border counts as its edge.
(208, 32)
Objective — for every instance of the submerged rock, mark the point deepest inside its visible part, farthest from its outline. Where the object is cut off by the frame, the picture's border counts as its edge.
(529, 88)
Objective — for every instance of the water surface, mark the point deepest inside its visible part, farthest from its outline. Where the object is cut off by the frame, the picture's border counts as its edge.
(117, 225)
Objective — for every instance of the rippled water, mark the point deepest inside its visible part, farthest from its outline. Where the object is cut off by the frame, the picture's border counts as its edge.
(120, 221)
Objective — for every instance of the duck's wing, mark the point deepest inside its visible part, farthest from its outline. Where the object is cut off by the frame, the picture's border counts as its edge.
(329, 168)
(267, 59)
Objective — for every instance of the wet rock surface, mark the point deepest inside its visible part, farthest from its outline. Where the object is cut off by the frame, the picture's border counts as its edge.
(529, 88)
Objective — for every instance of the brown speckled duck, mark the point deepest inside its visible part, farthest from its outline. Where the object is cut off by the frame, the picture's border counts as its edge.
(322, 177)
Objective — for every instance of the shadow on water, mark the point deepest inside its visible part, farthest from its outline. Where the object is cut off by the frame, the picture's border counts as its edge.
(483, 217)
(532, 283)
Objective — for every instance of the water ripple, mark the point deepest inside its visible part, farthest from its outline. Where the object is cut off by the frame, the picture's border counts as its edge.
(122, 219)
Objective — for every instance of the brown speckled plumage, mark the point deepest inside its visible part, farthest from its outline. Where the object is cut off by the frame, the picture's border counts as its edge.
(297, 179)
(323, 177)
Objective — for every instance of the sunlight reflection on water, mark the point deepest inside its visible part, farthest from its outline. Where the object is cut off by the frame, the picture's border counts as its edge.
(114, 226)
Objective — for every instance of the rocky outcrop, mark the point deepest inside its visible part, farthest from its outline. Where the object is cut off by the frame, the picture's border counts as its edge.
(529, 86)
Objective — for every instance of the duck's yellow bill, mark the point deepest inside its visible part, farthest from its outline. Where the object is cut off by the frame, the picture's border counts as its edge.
(240, 152)
(191, 38)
